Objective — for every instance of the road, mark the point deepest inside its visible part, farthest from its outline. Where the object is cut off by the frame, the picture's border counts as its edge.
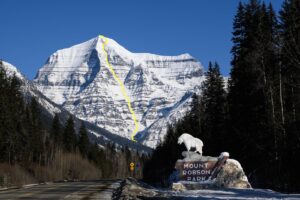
(88, 190)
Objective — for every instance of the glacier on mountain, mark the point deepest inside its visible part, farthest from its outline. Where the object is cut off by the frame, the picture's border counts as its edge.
(159, 87)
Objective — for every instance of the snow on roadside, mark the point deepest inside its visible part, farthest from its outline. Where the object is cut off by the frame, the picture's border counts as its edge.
(134, 189)
(233, 194)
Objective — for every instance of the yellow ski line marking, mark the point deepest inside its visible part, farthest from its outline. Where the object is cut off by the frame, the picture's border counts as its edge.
(123, 90)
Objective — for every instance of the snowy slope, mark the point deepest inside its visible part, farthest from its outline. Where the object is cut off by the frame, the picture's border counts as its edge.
(49, 109)
(12, 70)
(29, 89)
(159, 87)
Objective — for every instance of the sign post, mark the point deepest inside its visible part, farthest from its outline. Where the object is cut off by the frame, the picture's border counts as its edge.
(131, 165)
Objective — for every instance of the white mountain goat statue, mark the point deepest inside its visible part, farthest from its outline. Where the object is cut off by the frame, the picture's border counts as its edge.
(191, 142)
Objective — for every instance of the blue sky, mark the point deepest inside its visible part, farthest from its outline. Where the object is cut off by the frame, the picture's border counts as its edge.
(32, 30)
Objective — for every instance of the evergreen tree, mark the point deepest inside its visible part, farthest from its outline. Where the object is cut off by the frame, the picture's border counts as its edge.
(249, 108)
(35, 134)
(3, 113)
(213, 115)
(290, 68)
(13, 136)
(15, 130)
(56, 130)
(95, 154)
(256, 94)
(157, 169)
(194, 117)
(83, 142)
(28, 143)
(263, 101)
(69, 138)
(238, 33)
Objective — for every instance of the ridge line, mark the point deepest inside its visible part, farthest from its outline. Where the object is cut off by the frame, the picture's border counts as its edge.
(136, 128)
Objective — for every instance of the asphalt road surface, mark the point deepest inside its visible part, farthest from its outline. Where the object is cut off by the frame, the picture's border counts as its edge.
(88, 190)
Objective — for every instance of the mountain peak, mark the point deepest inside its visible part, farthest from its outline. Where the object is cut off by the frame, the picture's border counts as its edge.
(159, 87)
(12, 70)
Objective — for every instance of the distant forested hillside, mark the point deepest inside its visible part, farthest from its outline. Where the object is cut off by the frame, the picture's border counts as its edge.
(34, 150)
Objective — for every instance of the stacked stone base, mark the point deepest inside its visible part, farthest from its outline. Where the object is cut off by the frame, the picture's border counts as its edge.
(227, 173)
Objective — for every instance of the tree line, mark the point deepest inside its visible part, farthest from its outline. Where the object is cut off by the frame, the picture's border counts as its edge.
(28, 145)
(257, 116)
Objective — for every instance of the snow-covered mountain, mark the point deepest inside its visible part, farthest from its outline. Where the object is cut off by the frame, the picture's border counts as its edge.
(159, 87)
(29, 89)
(49, 109)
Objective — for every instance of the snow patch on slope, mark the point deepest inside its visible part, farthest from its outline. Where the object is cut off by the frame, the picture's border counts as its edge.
(12, 70)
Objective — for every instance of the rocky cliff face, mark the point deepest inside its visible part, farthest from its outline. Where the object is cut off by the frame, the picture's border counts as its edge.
(48, 109)
(159, 87)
